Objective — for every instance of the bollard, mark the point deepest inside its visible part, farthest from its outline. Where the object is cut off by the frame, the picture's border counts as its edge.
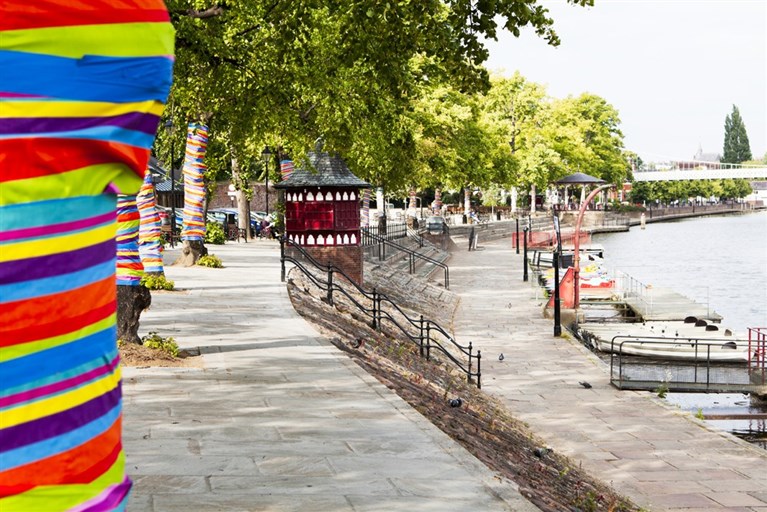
(524, 275)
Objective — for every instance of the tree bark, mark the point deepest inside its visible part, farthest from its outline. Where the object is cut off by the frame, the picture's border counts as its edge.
(131, 302)
(191, 251)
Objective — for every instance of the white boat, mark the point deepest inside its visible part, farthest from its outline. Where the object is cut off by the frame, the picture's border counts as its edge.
(666, 340)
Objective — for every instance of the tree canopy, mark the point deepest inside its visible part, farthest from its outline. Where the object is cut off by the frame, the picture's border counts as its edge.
(286, 73)
(736, 146)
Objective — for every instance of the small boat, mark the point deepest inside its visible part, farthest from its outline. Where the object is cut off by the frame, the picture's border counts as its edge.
(666, 340)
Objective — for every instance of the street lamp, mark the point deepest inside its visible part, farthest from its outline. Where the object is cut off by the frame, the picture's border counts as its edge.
(169, 130)
(266, 155)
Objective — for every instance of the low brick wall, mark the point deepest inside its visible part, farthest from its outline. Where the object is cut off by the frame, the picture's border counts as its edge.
(346, 257)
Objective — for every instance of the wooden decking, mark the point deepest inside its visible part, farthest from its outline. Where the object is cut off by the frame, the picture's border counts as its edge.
(663, 304)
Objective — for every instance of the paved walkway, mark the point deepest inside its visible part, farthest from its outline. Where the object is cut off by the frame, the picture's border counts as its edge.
(278, 419)
(661, 457)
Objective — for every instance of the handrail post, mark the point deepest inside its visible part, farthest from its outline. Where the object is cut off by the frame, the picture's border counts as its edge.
(375, 314)
(330, 285)
(468, 373)
(420, 337)
(447, 278)
(428, 340)
(516, 234)
(479, 369)
(282, 259)
(412, 263)
(708, 366)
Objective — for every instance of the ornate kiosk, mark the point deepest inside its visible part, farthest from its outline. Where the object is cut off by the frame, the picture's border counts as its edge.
(322, 212)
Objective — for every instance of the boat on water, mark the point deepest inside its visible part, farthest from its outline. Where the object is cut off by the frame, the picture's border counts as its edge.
(674, 340)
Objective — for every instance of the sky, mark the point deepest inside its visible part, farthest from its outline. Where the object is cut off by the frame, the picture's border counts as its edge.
(672, 68)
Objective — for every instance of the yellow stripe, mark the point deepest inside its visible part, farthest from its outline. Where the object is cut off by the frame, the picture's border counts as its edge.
(56, 245)
(65, 497)
(110, 40)
(21, 108)
(16, 351)
(31, 411)
(86, 181)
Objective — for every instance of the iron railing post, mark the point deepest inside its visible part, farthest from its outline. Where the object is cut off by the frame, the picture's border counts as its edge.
(479, 369)
(282, 259)
(330, 285)
(447, 278)
(428, 340)
(468, 373)
(420, 337)
(375, 313)
(516, 234)
(708, 366)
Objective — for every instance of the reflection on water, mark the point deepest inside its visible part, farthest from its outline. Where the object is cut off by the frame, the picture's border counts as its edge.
(720, 261)
(752, 430)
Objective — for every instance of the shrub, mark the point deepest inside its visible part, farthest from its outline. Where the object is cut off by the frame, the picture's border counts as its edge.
(214, 234)
(210, 260)
(157, 342)
(157, 282)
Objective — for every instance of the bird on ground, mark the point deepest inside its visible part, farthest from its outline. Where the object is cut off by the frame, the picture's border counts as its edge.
(455, 402)
(585, 384)
(357, 343)
(500, 358)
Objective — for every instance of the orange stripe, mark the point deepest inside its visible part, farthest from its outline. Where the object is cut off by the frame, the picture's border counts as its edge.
(30, 313)
(75, 466)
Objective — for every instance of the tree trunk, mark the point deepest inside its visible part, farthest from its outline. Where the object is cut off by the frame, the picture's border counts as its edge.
(191, 251)
(131, 302)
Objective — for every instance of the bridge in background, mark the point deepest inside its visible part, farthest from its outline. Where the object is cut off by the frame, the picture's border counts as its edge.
(695, 170)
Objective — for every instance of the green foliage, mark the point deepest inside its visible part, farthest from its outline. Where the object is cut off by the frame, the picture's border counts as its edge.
(699, 414)
(157, 282)
(283, 73)
(157, 342)
(214, 234)
(210, 260)
(662, 390)
(736, 146)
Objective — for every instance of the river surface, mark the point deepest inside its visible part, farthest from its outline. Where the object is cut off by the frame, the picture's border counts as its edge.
(720, 261)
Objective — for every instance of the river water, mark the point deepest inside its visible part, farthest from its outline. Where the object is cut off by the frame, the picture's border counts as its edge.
(720, 261)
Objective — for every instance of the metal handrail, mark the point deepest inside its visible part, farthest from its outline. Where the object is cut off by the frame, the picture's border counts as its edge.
(426, 328)
(702, 344)
(412, 255)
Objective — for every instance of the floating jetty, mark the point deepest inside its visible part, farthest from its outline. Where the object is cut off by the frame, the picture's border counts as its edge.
(663, 304)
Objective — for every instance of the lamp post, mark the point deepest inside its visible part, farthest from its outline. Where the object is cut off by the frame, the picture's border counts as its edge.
(524, 274)
(266, 155)
(576, 243)
(169, 130)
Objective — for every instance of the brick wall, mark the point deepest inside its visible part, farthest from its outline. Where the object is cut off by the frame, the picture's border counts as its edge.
(346, 257)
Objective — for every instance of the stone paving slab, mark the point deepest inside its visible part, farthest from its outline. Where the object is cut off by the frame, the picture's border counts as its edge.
(661, 457)
(277, 418)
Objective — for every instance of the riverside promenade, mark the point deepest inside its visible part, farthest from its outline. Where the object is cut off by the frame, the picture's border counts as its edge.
(276, 418)
(659, 456)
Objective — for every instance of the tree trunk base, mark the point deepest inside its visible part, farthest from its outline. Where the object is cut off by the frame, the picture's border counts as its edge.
(131, 302)
(192, 251)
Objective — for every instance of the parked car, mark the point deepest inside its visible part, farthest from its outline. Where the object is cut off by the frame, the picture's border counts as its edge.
(436, 225)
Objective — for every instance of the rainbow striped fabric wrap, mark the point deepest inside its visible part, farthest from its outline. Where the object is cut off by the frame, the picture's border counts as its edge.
(150, 230)
(82, 87)
(286, 168)
(365, 207)
(194, 186)
(129, 267)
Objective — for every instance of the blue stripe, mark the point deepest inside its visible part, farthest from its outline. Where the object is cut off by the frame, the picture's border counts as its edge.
(91, 78)
(38, 366)
(105, 133)
(43, 213)
(57, 284)
(58, 377)
(51, 447)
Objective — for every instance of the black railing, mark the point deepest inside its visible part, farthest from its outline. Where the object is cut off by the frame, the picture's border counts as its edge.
(412, 255)
(389, 231)
(649, 363)
(426, 334)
